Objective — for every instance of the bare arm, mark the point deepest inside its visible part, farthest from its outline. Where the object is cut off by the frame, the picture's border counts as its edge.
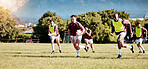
(88, 33)
(112, 29)
(69, 35)
(131, 34)
(69, 32)
(146, 33)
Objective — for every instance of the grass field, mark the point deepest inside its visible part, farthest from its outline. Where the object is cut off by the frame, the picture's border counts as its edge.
(37, 56)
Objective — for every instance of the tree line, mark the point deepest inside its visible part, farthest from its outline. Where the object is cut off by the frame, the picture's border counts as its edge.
(99, 22)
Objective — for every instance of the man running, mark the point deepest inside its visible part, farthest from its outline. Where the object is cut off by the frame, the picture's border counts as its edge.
(73, 27)
(139, 36)
(120, 30)
(54, 34)
(88, 39)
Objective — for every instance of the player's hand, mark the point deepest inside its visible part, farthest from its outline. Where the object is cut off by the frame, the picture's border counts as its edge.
(146, 39)
(78, 34)
(111, 34)
(49, 34)
(70, 38)
(131, 35)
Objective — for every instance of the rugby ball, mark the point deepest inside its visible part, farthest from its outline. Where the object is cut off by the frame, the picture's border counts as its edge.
(78, 31)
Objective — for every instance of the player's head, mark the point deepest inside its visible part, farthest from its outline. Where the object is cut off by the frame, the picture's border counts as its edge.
(138, 25)
(115, 17)
(51, 22)
(73, 18)
(86, 27)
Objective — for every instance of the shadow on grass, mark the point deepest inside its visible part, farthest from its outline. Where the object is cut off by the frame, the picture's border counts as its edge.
(43, 56)
(32, 52)
(48, 56)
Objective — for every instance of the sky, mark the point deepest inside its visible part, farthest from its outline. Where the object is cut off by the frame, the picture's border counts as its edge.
(65, 8)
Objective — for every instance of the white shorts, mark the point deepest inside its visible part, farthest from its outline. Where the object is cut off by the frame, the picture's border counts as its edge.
(74, 38)
(139, 40)
(55, 37)
(123, 33)
(89, 40)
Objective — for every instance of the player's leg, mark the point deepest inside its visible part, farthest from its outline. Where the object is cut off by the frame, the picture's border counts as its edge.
(58, 43)
(86, 45)
(119, 47)
(140, 45)
(78, 40)
(121, 40)
(75, 46)
(91, 45)
(52, 44)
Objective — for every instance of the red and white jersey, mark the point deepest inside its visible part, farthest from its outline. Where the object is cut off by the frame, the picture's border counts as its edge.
(87, 36)
(73, 27)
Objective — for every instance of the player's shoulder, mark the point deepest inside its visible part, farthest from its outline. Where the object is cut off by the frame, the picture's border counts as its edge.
(55, 25)
(78, 23)
(70, 23)
(143, 28)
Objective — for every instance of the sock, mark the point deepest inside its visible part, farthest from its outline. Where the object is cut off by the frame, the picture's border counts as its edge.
(140, 48)
(59, 47)
(92, 48)
(86, 46)
(120, 51)
(52, 45)
(127, 46)
(78, 52)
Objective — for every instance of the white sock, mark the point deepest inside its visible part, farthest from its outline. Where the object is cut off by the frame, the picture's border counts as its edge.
(140, 48)
(92, 48)
(52, 45)
(86, 46)
(120, 51)
(59, 47)
(78, 52)
(128, 47)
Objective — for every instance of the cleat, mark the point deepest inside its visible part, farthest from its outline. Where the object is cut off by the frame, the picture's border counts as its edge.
(78, 56)
(85, 49)
(143, 51)
(52, 52)
(119, 56)
(60, 51)
(132, 49)
(93, 51)
(140, 51)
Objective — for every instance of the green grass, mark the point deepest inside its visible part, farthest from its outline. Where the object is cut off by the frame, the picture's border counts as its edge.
(37, 56)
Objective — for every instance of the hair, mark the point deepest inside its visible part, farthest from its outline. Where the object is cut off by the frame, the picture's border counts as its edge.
(51, 20)
(137, 23)
(73, 16)
(85, 26)
(114, 15)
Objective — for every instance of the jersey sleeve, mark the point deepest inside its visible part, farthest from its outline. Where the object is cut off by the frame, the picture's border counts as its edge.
(89, 31)
(125, 21)
(81, 27)
(69, 26)
(56, 28)
(143, 29)
(113, 29)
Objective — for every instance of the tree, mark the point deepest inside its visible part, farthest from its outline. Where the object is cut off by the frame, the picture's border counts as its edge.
(7, 24)
(41, 30)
